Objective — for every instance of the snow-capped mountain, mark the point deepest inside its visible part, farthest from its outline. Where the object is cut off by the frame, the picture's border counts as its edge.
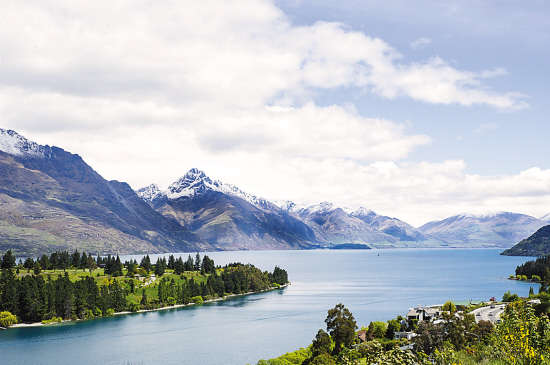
(150, 193)
(392, 226)
(545, 218)
(502, 229)
(195, 182)
(15, 144)
(51, 199)
(335, 224)
(226, 216)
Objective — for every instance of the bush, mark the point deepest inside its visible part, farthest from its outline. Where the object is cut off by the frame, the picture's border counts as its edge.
(509, 297)
(134, 307)
(449, 307)
(98, 312)
(52, 320)
(377, 329)
(7, 319)
(197, 300)
(110, 312)
(535, 278)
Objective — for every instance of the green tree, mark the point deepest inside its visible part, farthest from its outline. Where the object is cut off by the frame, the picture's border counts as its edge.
(8, 260)
(7, 319)
(377, 329)
(393, 326)
(197, 265)
(341, 325)
(144, 301)
(449, 307)
(146, 263)
(323, 359)
(322, 343)
(37, 268)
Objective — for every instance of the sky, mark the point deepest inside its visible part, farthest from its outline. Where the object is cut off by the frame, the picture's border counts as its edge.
(417, 112)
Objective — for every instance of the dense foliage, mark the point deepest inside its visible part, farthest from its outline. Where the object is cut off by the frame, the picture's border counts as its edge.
(540, 268)
(521, 337)
(65, 290)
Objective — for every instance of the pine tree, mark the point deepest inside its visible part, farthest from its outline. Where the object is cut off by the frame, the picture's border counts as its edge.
(8, 261)
(197, 265)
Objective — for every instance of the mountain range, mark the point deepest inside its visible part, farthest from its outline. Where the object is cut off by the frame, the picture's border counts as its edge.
(51, 199)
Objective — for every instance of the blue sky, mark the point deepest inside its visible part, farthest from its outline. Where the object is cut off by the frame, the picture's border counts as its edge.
(415, 111)
(474, 35)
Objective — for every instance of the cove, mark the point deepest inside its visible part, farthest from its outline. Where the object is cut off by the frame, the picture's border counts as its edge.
(374, 284)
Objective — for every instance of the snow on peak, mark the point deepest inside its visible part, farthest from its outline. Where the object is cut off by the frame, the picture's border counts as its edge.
(362, 211)
(15, 144)
(149, 193)
(485, 215)
(545, 218)
(196, 182)
(193, 182)
(322, 207)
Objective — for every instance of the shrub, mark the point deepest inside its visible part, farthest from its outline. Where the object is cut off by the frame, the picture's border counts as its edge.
(197, 300)
(509, 297)
(98, 312)
(7, 319)
(110, 312)
(535, 278)
(449, 307)
(52, 320)
(134, 307)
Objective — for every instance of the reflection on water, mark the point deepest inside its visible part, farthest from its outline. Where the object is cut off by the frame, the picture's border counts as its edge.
(243, 329)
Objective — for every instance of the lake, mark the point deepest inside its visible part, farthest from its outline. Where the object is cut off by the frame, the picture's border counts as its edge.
(373, 284)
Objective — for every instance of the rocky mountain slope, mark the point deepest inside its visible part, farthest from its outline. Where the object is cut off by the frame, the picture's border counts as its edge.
(538, 244)
(491, 230)
(51, 199)
(226, 217)
(333, 224)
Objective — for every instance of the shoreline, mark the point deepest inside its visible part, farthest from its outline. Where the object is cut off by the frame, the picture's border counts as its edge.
(177, 306)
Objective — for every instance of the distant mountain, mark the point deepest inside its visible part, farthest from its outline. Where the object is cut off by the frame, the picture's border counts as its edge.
(545, 218)
(337, 225)
(538, 244)
(226, 217)
(51, 199)
(491, 230)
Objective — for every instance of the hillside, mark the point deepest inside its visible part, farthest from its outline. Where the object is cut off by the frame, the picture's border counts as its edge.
(227, 218)
(538, 244)
(51, 199)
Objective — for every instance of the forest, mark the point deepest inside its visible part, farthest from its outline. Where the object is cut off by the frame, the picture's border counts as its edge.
(65, 286)
(538, 269)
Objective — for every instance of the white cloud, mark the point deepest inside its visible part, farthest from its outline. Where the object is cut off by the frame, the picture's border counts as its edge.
(221, 52)
(420, 43)
(145, 90)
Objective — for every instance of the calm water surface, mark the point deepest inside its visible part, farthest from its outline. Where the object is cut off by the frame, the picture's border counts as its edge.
(374, 284)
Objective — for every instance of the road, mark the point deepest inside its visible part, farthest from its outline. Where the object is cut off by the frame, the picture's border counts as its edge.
(488, 313)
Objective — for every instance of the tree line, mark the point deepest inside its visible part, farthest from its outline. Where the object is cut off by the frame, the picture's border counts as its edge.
(36, 297)
(540, 268)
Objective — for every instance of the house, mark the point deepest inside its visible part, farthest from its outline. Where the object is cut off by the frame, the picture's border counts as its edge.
(362, 335)
(406, 335)
(424, 313)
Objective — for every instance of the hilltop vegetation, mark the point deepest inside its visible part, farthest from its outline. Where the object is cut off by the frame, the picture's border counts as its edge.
(538, 244)
(74, 286)
(521, 337)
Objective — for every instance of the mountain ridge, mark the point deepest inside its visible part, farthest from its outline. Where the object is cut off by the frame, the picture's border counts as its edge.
(44, 189)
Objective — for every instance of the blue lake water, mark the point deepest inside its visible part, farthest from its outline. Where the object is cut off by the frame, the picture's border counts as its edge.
(374, 284)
